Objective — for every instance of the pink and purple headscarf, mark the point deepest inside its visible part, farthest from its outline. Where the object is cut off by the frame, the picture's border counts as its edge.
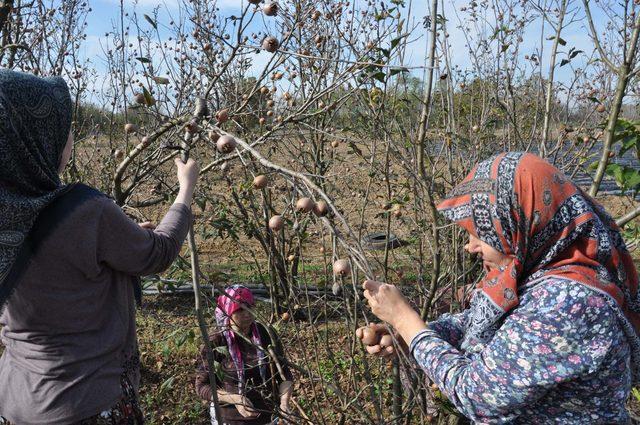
(229, 302)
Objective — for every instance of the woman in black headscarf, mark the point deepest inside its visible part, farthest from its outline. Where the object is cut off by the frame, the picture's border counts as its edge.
(70, 262)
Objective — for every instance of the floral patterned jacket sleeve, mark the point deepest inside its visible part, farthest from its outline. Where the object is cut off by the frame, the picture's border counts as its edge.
(450, 327)
(560, 332)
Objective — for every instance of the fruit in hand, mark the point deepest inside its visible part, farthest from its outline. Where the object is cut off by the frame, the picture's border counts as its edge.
(369, 336)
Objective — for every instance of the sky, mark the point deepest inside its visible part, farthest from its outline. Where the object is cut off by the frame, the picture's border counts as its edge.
(105, 13)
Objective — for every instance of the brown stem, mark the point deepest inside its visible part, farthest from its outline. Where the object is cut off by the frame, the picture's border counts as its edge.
(552, 68)
(426, 104)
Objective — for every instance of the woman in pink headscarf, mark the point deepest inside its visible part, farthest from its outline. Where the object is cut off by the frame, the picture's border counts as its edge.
(252, 387)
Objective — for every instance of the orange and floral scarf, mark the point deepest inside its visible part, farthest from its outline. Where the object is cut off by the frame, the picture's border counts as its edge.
(526, 208)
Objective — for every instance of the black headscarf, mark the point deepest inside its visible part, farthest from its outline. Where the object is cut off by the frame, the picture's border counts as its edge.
(35, 120)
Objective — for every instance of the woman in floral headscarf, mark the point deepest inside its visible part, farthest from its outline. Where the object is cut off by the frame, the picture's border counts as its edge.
(552, 332)
(250, 381)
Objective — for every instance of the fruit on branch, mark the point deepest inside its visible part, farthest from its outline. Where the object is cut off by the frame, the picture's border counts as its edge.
(139, 98)
(260, 182)
(130, 128)
(222, 116)
(264, 90)
(316, 15)
(118, 155)
(226, 144)
(291, 258)
(335, 143)
(255, 1)
(270, 103)
(270, 44)
(305, 205)
(286, 95)
(320, 209)
(276, 223)
(270, 9)
(262, 120)
(475, 128)
(586, 139)
(341, 267)
(145, 141)
(269, 113)
(601, 108)
(285, 316)
(397, 213)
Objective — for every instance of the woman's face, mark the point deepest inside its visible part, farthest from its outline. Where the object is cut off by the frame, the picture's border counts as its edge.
(491, 257)
(242, 319)
(66, 153)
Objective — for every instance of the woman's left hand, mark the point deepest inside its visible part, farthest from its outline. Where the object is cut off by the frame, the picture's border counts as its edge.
(148, 225)
(386, 301)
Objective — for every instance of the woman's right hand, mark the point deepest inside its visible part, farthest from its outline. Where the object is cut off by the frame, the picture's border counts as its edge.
(381, 344)
(187, 173)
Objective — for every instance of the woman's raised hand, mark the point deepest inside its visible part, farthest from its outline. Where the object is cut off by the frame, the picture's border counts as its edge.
(187, 173)
(187, 177)
(388, 304)
(386, 301)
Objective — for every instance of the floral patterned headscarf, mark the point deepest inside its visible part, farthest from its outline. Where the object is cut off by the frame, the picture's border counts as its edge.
(232, 300)
(524, 207)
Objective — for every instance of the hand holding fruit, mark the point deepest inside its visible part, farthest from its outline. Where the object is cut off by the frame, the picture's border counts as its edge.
(376, 339)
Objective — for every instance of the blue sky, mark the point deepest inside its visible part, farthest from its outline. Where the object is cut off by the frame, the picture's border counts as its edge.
(105, 13)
